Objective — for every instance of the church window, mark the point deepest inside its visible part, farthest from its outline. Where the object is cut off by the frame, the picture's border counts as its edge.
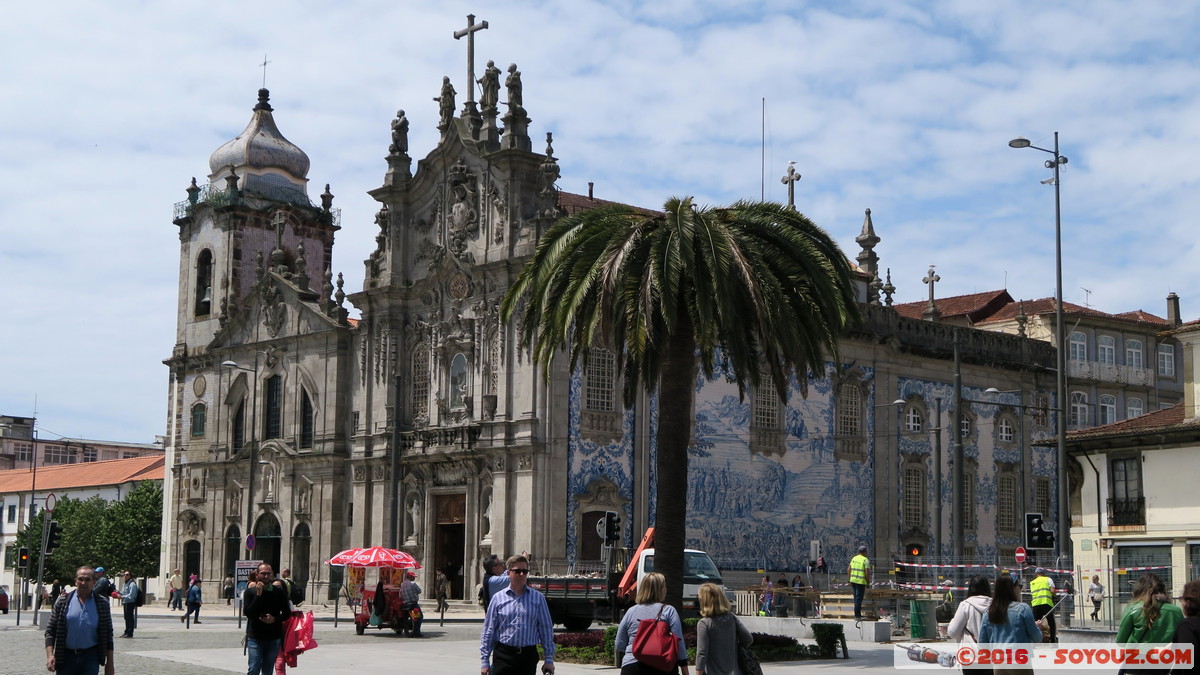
(766, 403)
(306, 420)
(199, 414)
(420, 381)
(239, 426)
(967, 503)
(458, 382)
(1166, 360)
(914, 497)
(1108, 409)
(1078, 346)
(964, 425)
(273, 426)
(355, 421)
(1041, 498)
(1079, 410)
(203, 288)
(1106, 350)
(601, 378)
(1004, 430)
(1006, 504)
(850, 444)
(1133, 354)
(1134, 407)
(914, 419)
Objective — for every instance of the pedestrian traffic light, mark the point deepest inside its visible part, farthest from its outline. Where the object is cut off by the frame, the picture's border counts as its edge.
(23, 558)
(1036, 534)
(612, 528)
(53, 537)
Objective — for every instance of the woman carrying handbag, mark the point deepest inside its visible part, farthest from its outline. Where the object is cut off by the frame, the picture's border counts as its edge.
(644, 618)
(719, 635)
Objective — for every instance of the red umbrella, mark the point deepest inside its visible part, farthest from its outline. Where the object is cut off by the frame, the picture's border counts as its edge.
(375, 556)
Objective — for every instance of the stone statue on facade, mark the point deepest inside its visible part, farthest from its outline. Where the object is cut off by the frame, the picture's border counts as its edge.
(489, 84)
(399, 144)
(516, 99)
(446, 104)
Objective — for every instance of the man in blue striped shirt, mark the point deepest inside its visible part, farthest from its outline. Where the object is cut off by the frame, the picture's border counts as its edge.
(518, 619)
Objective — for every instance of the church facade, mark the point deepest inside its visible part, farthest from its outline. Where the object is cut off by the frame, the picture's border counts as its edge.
(421, 423)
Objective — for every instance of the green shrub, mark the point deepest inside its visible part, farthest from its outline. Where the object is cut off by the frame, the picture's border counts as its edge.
(828, 635)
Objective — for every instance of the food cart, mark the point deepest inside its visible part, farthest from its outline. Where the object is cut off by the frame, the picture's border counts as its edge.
(373, 578)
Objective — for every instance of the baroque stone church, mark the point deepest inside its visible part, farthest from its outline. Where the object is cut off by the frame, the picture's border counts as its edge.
(424, 425)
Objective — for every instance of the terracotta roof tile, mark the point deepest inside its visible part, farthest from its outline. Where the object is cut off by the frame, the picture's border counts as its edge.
(573, 203)
(1166, 419)
(975, 306)
(1046, 306)
(87, 474)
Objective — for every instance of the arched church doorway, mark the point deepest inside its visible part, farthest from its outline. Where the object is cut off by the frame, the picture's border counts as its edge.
(449, 543)
(591, 543)
(233, 548)
(191, 559)
(301, 550)
(268, 537)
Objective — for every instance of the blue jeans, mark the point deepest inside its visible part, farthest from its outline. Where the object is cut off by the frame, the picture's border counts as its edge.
(860, 591)
(85, 663)
(262, 656)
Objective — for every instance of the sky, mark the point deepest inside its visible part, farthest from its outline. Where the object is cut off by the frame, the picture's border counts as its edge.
(107, 110)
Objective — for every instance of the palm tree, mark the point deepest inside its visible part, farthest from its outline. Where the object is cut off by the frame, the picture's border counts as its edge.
(756, 286)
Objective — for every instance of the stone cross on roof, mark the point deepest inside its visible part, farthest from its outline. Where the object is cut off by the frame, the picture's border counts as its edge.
(931, 312)
(790, 181)
(469, 33)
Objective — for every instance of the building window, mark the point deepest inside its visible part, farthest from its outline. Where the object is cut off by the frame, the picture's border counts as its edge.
(1133, 354)
(766, 403)
(89, 454)
(601, 377)
(24, 451)
(306, 420)
(239, 426)
(1041, 499)
(1005, 430)
(964, 425)
(1127, 505)
(56, 454)
(458, 382)
(1078, 347)
(914, 420)
(1079, 409)
(1106, 350)
(12, 513)
(199, 413)
(420, 383)
(1108, 409)
(354, 421)
(274, 417)
(1006, 503)
(914, 497)
(849, 432)
(1134, 408)
(203, 289)
(967, 500)
(1166, 360)
(128, 454)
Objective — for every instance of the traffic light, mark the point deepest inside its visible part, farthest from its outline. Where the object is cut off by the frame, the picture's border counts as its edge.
(1036, 534)
(612, 528)
(23, 558)
(53, 537)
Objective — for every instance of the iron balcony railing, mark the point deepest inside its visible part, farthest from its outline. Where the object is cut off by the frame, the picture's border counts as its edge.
(1129, 511)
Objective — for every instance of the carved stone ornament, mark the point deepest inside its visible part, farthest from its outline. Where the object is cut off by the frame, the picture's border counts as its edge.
(303, 497)
(233, 501)
(191, 524)
(199, 385)
(378, 472)
(524, 462)
(274, 310)
(450, 473)
(360, 473)
(499, 464)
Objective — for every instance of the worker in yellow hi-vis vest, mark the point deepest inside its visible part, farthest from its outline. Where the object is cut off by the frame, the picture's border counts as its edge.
(860, 577)
(1042, 589)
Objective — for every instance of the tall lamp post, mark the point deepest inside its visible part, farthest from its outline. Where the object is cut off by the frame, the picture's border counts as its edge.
(253, 389)
(1064, 519)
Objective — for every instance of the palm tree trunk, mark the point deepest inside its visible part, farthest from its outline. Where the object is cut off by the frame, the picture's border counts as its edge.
(676, 389)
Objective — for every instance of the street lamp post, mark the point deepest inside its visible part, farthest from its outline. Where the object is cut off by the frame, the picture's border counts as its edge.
(1064, 519)
(253, 389)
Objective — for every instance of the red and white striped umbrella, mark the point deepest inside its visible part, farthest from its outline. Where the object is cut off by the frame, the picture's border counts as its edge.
(374, 556)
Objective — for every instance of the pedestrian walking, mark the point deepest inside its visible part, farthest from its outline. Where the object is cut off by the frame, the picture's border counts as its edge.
(651, 594)
(719, 634)
(517, 621)
(1150, 617)
(1009, 622)
(55, 591)
(227, 589)
(265, 605)
(1096, 595)
(767, 597)
(129, 603)
(1041, 588)
(441, 589)
(1188, 632)
(175, 583)
(79, 635)
(968, 617)
(195, 598)
(860, 578)
(104, 586)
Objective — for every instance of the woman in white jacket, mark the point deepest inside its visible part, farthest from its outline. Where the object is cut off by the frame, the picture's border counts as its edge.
(968, 619)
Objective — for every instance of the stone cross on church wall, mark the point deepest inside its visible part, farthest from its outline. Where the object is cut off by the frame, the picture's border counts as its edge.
(469, 33)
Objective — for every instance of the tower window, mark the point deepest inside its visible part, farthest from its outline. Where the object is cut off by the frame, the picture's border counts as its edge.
(306, 420)
(601, 376)
(199, 413)
(239, 426)
(274, 395)
(203, 287)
